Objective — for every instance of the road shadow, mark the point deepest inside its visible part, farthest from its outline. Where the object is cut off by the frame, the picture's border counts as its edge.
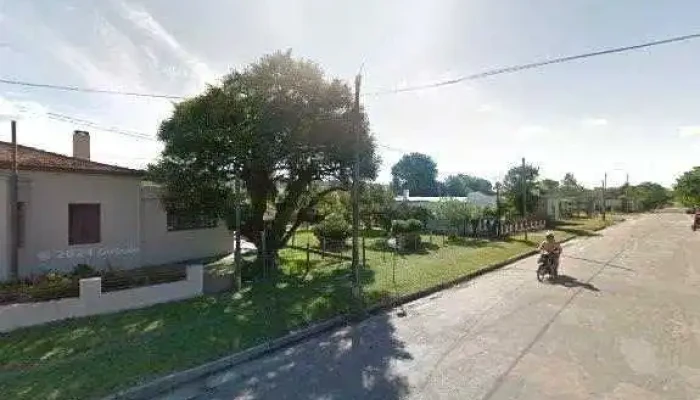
(571, 282)
(352, 363)
(599, 263)
(579, 232)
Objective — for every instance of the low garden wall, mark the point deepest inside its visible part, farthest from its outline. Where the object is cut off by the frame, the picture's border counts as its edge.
(92, 301)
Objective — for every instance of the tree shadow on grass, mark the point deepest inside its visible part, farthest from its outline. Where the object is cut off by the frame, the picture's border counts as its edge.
(373, 233)
(472, 242)
(528, 242)
(425, 247)
(92, 357)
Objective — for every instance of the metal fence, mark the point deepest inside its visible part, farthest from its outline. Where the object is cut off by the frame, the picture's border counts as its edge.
(399, 264)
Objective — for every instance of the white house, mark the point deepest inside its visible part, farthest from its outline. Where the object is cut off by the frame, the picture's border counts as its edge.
(476, 198)
(73, 210)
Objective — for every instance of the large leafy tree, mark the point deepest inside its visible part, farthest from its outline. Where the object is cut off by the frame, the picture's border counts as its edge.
(570, 186)
(461, 185)
(281, 127)
(687, 188)
(416, 172)
(649, 195)
(517, 178)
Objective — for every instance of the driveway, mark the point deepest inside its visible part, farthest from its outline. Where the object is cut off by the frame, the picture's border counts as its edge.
(622, 323)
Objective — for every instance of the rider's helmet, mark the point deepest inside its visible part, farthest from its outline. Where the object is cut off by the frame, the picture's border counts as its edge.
(550, 235)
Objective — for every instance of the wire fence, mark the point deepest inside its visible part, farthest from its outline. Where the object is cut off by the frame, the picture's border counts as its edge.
(399, 264)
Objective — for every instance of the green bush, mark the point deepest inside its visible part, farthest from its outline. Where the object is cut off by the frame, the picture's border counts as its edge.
(414, 225)
(82, 271)
(403, 211)
(407, 233)
(334, 227)
(399, 226)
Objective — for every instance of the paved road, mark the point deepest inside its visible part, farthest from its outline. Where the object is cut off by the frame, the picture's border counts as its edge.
(624, 325)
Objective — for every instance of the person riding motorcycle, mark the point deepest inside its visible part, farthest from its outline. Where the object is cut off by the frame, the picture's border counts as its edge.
(550, 247)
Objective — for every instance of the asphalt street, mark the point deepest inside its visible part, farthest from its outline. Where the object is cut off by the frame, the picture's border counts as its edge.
(623, 322)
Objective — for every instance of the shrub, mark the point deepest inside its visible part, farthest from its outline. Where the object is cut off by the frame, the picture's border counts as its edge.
(407, 233)
(399, 226)
(414, 225)
(334, 227)
(82, 271)
(402, 211)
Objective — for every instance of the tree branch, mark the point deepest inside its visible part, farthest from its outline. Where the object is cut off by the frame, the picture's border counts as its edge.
(305, 209)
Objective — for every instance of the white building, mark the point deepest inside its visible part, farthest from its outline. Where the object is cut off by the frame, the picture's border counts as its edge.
(73, 210)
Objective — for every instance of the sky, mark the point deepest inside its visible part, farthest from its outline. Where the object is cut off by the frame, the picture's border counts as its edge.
(634, 113)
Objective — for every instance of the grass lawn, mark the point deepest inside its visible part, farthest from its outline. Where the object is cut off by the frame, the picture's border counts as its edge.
(92, 357)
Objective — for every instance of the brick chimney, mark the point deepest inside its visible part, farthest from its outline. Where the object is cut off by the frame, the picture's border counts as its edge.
(81, 145)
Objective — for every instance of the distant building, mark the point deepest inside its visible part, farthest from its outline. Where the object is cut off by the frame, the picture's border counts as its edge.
(476, 198)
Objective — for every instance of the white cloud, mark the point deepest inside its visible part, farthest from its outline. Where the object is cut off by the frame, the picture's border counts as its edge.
(595, 122)
(688, 131)
(7, 110)
(487, 108)
(18, 110)
(528, 132)
(143, 20)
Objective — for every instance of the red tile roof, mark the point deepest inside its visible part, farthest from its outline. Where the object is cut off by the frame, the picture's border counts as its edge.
(33, 159)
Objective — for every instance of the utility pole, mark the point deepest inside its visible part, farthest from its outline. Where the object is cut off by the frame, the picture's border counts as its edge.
(14, 215)
(237, 250)
(523, 183)
(498, 209)
(627, 193)
(357, 280)
(605, 184)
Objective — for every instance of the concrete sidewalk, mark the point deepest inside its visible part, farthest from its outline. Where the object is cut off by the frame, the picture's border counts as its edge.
(622, 323)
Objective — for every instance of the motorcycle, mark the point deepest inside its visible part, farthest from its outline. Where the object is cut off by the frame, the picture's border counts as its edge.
(547, 266)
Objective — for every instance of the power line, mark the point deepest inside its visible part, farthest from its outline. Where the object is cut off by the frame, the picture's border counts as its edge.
(88, 90)
(86, 123)
(538, 64)
(479, 75)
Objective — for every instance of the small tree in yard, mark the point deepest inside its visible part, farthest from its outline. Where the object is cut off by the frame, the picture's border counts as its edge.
(456, 213)
(374, 199)
(278, 125)
(515, 179)
(407, 233)
(333, 231)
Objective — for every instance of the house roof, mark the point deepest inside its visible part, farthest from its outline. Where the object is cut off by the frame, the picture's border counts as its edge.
(33, 159)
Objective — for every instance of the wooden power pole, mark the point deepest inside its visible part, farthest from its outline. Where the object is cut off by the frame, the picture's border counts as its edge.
(605, 184)
(14, 211)
(237, 250)
(357, 278)
(524, 184)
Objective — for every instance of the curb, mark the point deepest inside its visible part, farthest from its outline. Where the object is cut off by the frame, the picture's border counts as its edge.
(162, 385)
